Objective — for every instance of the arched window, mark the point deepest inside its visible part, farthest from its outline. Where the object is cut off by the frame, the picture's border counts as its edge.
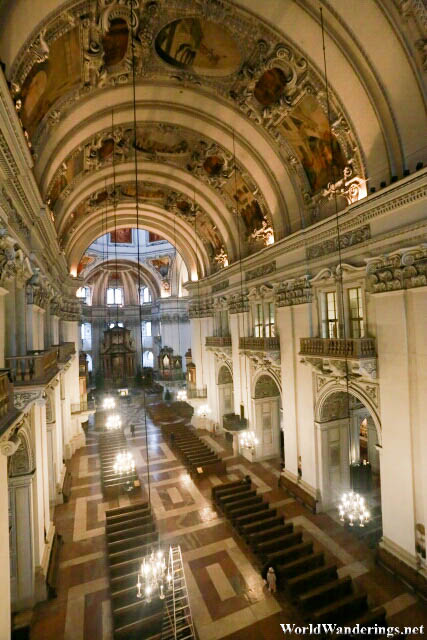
(83, 293)
(144, 294)
(115, 295)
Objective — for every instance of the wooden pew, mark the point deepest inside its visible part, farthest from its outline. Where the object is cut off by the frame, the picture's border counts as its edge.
(265, 549)
(231, 507)
(343, 609)
(301, 565)
(254, 518)
(325, 594)
(258, 526)
(237, 514)
(288, 554)
(229, 486)
(269, 533)
(316, 577)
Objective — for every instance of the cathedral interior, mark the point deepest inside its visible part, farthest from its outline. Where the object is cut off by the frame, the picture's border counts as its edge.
(213, 319)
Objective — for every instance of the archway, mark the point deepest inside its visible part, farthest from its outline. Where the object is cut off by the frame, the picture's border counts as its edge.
(225, 392)
(349, 437)
(266, 410)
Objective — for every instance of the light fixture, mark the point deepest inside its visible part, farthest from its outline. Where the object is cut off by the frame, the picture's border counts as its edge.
(248, 440)
(124, 464)
(113, 422)
(109, 403)
(203, 411)
(181, 396)
(154, 578)
(352, 509)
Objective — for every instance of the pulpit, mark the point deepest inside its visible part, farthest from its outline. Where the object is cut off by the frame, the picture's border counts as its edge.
(118, 356)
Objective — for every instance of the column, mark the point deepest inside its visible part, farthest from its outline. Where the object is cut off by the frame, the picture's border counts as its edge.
(7, 448)
(397, 460)
(3, 294)
(54, 329)
(21, 338)
(32, 327)
(10, 309)
(21, 502)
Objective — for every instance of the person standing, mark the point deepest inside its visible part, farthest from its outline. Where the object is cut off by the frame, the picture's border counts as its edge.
(132, 429)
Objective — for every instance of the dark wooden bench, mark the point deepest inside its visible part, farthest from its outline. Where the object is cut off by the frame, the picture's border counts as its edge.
(310, 579)
(343, 609)
(255, 527)
(265, 549)
(367, 619)
(299, 566)
(131, 532)
(291, 553)
(53, 567)
(250, 510)
(269, 533)
(325, 594)
(229, 486)
(299, 493)
(230, 507)
(224, 499)
(66, 487)
(255, 517)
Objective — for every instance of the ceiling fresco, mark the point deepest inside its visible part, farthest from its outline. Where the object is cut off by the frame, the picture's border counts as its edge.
(214, 47)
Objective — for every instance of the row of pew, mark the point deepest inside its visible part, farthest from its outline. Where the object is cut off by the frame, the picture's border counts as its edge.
(310, 581)
(199, 459)
(110, 444)
(130, 534)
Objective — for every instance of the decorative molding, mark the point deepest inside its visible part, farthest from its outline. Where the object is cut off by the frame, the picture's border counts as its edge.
(260, 271)
(348, 239)
(23, 398)
(220, 286)
(404, 269)
(292, 292)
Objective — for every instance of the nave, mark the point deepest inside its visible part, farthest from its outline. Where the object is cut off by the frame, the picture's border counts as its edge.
(228, 597)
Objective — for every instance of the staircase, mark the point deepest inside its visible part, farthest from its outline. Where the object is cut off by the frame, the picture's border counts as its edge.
(177, 619)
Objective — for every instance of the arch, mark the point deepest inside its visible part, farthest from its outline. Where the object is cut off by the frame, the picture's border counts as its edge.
(225, 375)
(22, 461)
(262, 385)
(358, 393)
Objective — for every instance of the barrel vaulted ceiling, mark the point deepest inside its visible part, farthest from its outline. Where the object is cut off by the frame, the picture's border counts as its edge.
(234, 148)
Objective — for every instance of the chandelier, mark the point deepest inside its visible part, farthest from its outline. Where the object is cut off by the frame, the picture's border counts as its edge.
(109, 403)
(203, 411)
(154, 578)
(124, 464)
(353, 509)
(248, 440)
(113, 422)
(181, 396)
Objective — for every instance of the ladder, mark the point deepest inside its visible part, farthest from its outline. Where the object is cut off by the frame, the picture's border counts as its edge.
(177, 619)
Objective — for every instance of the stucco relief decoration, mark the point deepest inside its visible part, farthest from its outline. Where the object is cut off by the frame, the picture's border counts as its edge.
(347, 239)
(295, 291)
(266, 387)
(22, 461)
(405, 269)
(224, 375)
(260, 271)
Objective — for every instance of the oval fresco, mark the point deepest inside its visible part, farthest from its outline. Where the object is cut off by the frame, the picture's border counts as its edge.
(198, 45)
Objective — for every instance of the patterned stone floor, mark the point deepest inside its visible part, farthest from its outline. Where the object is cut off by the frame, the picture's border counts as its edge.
(228, 598)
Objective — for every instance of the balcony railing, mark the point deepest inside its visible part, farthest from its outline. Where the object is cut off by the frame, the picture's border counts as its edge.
(233, 422)
(169, 374)
(260, 344)
(81, 407)
(201, 392)
(65, 351)
(37, 367)
(7, 408)
(218, 341)
(338, 347)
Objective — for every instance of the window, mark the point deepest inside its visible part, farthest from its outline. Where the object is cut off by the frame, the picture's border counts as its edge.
(258, 324)
(147, 358)
(114, 295)
(146, 329)
(82, 331)
(357, 329)
(331, 319)
(269, 321)
(144, 295)
(116, 324)
(83, 293)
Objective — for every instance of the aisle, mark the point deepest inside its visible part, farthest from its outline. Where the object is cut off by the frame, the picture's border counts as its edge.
(228, 598)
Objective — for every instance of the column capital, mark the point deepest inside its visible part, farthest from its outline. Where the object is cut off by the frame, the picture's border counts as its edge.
(8, 447)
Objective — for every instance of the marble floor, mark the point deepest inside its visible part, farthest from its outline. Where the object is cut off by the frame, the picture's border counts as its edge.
(228, 597)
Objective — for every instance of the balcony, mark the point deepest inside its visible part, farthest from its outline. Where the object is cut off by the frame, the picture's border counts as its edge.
(338, 357)
(65, 351)
(194, 392)
(37, 367)
(218, 344)
(261, 350)
(169, 375)
(7, 409)
(233, 422)
(87, 406)
(260, 344)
